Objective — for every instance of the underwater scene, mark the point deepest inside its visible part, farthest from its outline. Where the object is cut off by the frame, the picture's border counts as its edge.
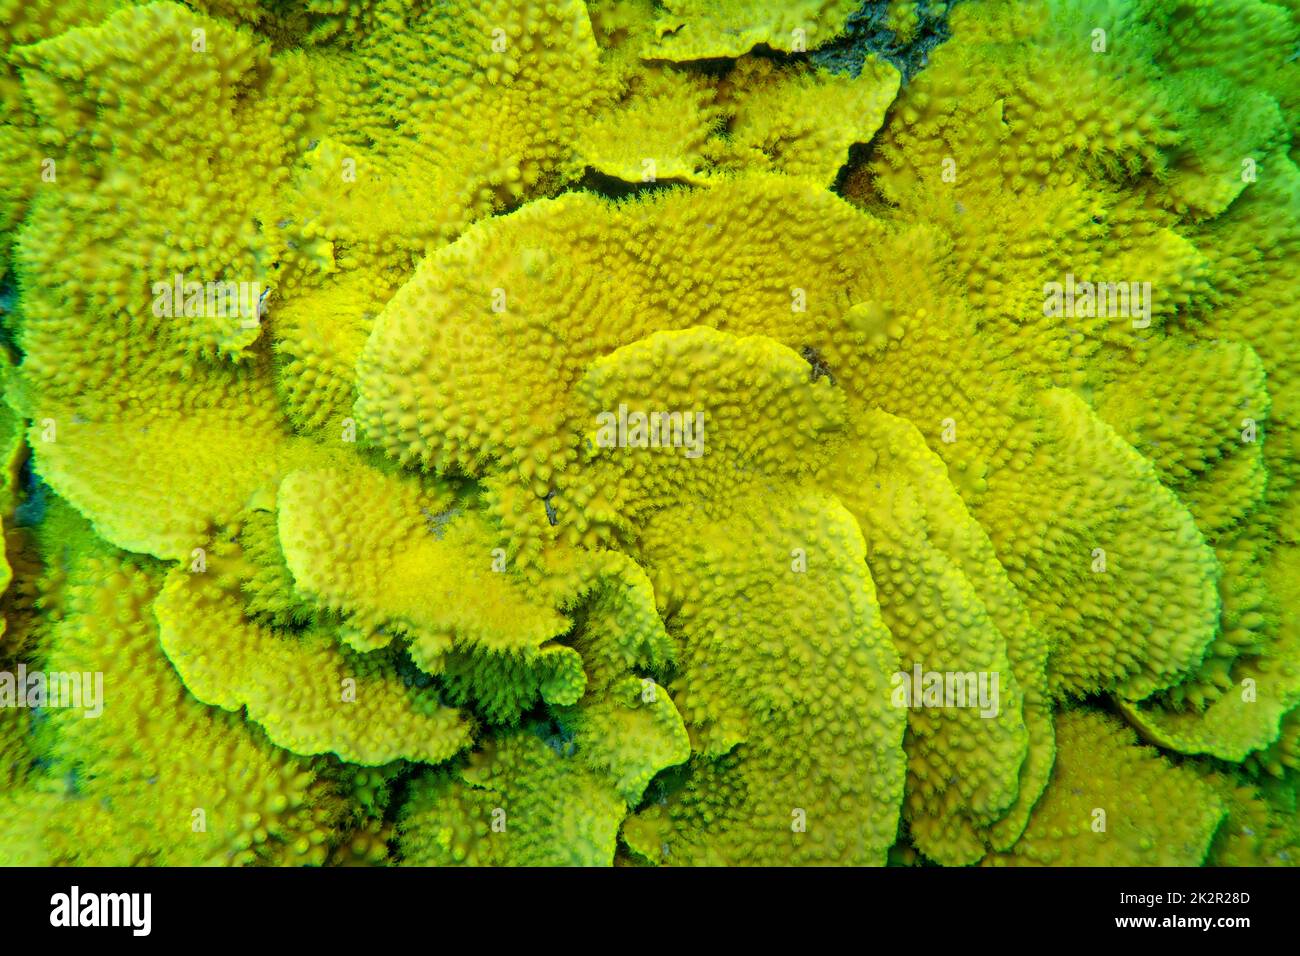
(679, 433)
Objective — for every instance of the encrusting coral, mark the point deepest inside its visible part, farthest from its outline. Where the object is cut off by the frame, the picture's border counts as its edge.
(557, 433)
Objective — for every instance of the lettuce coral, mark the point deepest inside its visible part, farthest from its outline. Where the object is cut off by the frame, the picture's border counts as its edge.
(650, 433)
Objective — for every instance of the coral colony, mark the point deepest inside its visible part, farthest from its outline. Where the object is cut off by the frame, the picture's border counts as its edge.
(357, 363)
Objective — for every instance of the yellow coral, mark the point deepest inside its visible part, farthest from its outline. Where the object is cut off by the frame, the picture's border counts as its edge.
(517, 524)
(696, 29)
(160, 779)
(802, 122)
(1108, 804)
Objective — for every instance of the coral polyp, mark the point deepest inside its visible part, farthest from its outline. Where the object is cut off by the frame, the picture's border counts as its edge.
(646, 433)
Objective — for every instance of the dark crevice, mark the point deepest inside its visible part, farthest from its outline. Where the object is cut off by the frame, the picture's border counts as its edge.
(31, 509)
(611, 187)
(8, 308)
(868, 32)
(818, 364)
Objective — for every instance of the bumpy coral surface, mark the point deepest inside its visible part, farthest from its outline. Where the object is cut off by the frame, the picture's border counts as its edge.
(678, 433)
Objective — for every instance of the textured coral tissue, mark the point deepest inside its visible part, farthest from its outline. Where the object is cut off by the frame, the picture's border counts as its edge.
(649, 432)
